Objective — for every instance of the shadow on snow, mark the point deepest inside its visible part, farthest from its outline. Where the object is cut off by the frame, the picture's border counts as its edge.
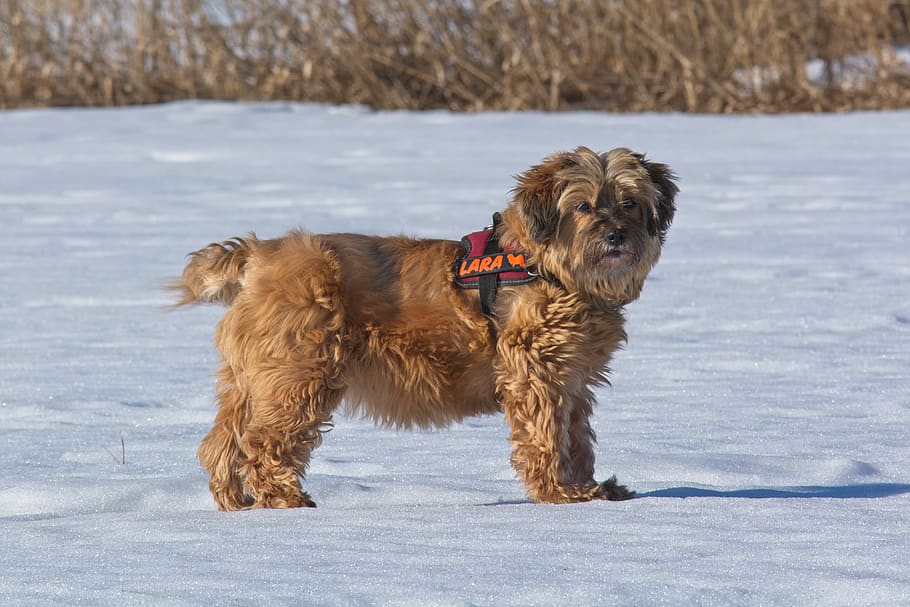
(862, 491)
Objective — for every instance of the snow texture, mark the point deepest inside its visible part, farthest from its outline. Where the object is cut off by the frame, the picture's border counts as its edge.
(760, 408)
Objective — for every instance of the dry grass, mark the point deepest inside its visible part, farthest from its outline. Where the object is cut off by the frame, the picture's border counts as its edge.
(467, 55)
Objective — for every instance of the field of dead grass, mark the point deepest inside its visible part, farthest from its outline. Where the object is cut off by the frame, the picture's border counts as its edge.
(464, 55)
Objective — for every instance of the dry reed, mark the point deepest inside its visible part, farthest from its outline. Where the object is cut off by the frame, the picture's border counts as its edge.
(465, 55)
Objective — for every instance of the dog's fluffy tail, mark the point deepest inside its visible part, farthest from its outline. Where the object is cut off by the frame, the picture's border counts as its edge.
(214, 274)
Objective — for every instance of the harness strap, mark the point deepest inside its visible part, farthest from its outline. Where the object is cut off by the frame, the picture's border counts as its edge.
(487, 265)
(489, 283)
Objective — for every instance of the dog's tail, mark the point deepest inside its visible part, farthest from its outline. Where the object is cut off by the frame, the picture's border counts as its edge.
(215, 274)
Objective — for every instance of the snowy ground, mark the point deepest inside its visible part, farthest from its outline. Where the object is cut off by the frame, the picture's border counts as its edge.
(761, 406)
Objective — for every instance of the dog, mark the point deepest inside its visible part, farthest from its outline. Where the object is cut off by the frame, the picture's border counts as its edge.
(392, 327)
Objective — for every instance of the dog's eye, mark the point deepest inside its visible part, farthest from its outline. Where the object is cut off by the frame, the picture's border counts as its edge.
(583, 207)
(628, 203)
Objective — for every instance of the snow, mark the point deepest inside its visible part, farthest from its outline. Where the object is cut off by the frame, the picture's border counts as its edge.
(760, 407)
(852, 71)
(847, 73)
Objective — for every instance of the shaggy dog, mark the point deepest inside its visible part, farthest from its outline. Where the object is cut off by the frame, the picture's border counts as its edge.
(381, 323)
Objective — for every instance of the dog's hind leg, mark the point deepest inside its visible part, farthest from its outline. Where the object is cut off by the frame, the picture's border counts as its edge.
(292, 407)
(278, 444)
(220, 451)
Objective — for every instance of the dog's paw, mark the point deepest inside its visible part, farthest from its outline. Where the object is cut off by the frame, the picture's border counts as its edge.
(592, 490)
(300, 500)
(611, 490)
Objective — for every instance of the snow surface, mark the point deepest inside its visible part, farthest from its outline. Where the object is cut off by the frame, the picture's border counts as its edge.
(761, 406)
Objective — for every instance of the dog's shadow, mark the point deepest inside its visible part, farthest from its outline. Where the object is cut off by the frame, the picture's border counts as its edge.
(858, 491)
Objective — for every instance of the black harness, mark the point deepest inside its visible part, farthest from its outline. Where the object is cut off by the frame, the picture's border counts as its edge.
(487, 265)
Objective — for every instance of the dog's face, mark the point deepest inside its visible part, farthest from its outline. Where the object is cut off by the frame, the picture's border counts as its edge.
(595, 221)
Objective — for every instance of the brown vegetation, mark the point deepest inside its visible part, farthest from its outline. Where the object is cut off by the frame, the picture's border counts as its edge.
(659, 55)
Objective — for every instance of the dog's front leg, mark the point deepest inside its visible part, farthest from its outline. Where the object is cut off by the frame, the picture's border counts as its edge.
(581, 453)
(543, 451)
(581, 439)
(553, 445)
(540, 443)
(548, 406)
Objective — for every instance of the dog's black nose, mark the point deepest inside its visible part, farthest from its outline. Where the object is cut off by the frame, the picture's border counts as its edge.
(616, 237)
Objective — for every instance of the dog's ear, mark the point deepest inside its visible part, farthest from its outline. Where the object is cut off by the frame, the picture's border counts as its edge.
(536, 194)
(665, 206)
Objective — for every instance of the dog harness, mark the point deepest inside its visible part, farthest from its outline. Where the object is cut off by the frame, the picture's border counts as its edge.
(487, 264)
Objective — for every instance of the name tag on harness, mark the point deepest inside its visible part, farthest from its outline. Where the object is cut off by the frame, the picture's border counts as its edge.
(510, 266)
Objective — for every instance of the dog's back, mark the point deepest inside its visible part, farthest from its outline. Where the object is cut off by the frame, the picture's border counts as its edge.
(416, 349)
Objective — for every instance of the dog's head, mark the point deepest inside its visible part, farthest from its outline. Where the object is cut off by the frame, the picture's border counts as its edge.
(596, 222)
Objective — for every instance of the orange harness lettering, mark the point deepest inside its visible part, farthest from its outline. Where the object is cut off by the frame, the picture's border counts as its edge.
(488, 264)
(509, 266)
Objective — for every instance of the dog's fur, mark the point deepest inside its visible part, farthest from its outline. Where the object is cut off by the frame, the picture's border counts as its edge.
(379, 322)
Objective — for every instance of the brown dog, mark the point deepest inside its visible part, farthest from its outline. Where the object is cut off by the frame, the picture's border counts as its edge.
(380, 323)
